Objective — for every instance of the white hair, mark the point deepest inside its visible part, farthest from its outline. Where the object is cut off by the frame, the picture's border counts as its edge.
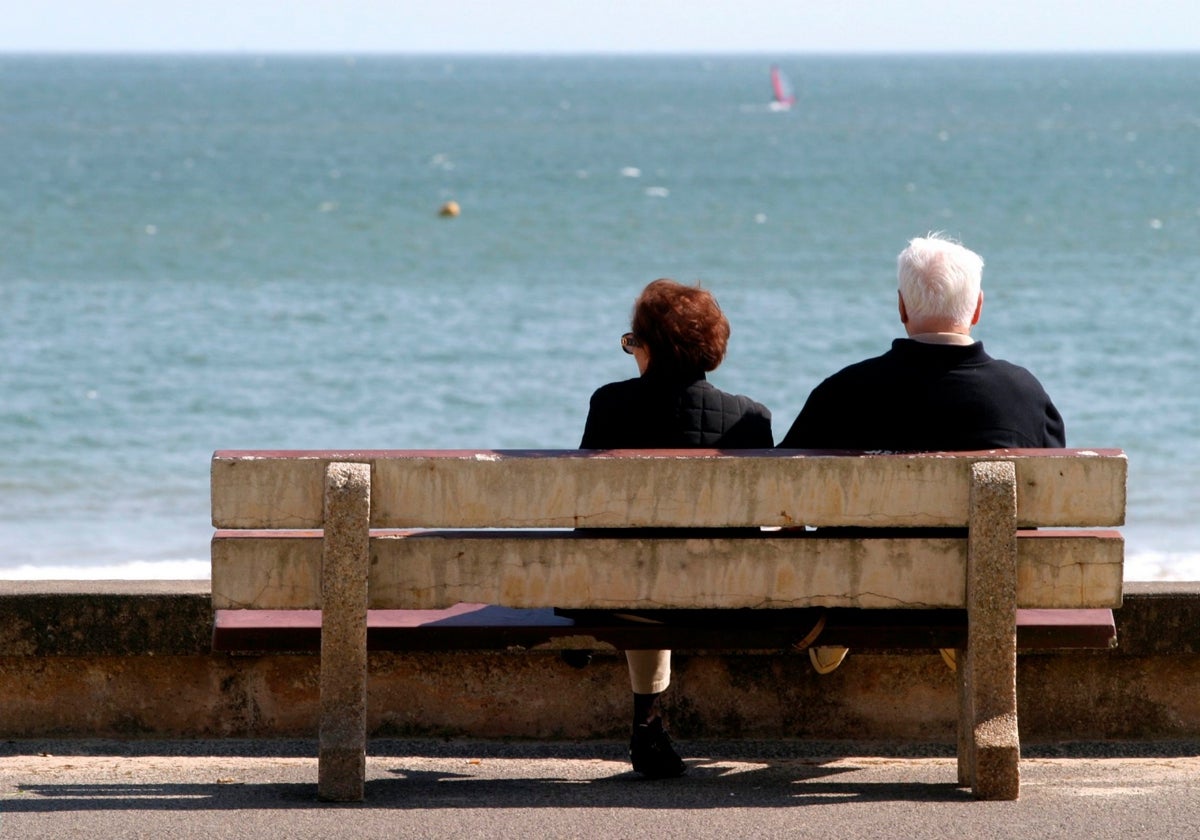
(939, 279)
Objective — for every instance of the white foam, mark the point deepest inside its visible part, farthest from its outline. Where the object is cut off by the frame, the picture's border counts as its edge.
(1162, 565)
(132, 570)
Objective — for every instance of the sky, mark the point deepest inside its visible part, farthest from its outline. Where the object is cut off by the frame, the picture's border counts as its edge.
(600, 26)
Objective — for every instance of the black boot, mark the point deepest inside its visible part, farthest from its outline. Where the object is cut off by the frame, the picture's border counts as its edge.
(651, 752)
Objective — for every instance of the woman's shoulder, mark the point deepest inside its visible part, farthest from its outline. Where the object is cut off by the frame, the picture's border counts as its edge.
(731, 402)
(622, 389)
(733, 421)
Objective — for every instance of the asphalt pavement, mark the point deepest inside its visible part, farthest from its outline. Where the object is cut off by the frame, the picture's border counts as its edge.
(471, 789)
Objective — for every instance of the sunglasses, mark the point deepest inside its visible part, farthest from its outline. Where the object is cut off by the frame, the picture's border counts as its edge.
(628, 342)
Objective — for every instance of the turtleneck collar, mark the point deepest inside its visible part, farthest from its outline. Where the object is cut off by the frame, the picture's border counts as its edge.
(959, 339)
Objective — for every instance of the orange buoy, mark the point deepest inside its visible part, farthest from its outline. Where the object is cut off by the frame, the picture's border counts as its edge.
(450, 209)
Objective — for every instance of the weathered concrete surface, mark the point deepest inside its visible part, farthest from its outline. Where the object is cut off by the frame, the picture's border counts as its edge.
(1160, 618)
(901, 698)
(343, 679)
(990, 751)
(104, 618)
(573, 489)
(94, 677)
(1055, 569)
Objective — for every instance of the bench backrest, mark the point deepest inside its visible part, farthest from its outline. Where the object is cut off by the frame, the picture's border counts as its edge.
(269, 507)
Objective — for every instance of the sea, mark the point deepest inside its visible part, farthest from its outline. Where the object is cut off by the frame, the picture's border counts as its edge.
(238, 251)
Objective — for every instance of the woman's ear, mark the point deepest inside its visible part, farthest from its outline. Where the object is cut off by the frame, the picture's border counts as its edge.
(641, 355)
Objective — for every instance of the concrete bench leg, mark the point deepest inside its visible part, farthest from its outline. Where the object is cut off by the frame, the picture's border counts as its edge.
(988, 674)
(342, 760)
(966, 753)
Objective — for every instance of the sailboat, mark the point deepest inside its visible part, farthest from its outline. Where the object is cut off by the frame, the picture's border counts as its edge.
(781, 86)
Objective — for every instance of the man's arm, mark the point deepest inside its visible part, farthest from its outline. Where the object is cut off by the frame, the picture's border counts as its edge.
(806, 432)
(1056, 432)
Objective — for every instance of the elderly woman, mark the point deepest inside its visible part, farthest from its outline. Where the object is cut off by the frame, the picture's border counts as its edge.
(678, 333)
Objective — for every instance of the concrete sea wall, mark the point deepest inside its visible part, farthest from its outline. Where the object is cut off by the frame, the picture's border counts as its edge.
(133, 659)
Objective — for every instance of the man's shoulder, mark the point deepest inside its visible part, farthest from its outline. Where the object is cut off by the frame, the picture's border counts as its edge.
(1002, 368)
(868, 368)
(1008, 367)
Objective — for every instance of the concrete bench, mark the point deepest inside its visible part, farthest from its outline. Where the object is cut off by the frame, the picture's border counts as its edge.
(370, 537)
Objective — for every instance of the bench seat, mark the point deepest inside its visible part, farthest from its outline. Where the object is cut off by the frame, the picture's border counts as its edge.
(483, 626)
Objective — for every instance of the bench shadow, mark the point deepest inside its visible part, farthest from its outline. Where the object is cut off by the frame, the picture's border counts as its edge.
(714, 782)
(734, 774)
(709, 783)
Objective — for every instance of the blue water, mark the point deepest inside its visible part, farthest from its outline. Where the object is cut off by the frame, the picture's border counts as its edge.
(204, 253)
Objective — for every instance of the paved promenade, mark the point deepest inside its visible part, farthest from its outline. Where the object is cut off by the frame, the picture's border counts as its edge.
(424, 789)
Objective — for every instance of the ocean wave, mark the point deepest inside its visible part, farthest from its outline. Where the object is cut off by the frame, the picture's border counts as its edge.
(1162, 565)
(132, 570)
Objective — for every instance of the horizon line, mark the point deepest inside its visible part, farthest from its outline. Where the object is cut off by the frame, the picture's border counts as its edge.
(325, 52)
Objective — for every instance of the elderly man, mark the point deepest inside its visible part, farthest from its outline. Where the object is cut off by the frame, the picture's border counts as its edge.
(934, 390)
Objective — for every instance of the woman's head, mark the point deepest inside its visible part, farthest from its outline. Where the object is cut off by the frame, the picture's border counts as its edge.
(681, 327)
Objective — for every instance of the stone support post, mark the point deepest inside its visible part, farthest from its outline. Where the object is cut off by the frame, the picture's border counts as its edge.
(988, 672)
(346, 557)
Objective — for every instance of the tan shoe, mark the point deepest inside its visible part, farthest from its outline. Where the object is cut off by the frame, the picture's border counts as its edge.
(826, 659)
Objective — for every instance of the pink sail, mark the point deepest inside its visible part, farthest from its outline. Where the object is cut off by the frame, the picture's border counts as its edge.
(782, 88)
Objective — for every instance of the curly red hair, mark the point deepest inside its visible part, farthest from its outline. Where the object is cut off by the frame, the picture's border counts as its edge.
(682, 327)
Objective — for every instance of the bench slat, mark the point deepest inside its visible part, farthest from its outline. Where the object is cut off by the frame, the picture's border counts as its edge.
(483, 627)
(436, 569)
(570, 488)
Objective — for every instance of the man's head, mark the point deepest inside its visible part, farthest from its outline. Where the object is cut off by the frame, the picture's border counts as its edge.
(939, 285)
